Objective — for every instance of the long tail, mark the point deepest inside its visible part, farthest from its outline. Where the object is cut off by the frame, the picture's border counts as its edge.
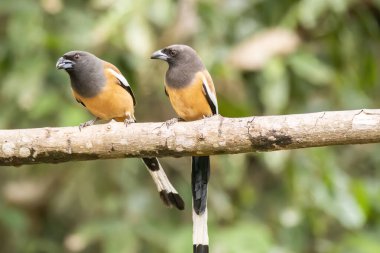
(168, 193)
(200, 175)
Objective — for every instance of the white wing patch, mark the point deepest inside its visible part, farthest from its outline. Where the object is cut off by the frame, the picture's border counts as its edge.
(210, 94)
(123, 83)
(120, 77)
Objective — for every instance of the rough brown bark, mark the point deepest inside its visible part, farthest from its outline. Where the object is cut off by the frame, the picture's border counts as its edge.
(215, 135)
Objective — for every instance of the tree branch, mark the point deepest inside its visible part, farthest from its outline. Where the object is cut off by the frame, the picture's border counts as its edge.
(210, 136)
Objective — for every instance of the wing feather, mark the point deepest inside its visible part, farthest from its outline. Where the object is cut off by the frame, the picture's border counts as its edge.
(123, 83)
(210, 95)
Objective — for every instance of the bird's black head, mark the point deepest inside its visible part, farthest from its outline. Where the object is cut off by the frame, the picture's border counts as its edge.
(76, 60)
(179, 55)
(86, 72)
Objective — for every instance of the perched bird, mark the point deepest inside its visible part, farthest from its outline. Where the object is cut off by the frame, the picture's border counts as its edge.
(103, 90)
(191, 92)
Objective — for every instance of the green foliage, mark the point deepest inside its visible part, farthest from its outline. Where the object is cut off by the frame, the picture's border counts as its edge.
(315, 200)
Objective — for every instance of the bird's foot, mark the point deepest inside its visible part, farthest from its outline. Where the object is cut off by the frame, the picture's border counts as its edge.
(173, 121)
(128, 121)
(87, 123)
(211, 116)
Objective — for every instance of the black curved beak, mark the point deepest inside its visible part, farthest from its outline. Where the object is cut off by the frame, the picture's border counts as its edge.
(159, 55)
(63, 63)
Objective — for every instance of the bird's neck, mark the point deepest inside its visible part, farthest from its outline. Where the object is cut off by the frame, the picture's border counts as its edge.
(88, 85)
(178, 77)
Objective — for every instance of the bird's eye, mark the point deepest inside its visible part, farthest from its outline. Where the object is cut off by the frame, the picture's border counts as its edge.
(76, 56)
(172, 53)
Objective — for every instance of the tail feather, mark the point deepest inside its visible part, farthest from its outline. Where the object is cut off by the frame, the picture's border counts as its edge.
(200, 248)
(200, 233)
(200, 175)
(168, 193)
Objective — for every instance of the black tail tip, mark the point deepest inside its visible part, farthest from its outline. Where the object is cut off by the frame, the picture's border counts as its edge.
(200, 248)
(172, 199)
(199, 206)
(176, 201)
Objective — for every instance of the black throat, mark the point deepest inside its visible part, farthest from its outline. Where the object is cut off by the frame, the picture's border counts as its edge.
(88, 80)
(180, 74)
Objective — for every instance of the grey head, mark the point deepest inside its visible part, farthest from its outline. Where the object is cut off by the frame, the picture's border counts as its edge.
(86, 72)
(183, 62)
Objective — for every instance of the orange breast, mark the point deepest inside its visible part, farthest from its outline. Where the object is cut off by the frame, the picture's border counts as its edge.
(190, 102)
(113, 102)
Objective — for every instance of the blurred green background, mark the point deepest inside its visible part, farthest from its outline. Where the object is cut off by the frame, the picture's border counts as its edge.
(265, 56)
